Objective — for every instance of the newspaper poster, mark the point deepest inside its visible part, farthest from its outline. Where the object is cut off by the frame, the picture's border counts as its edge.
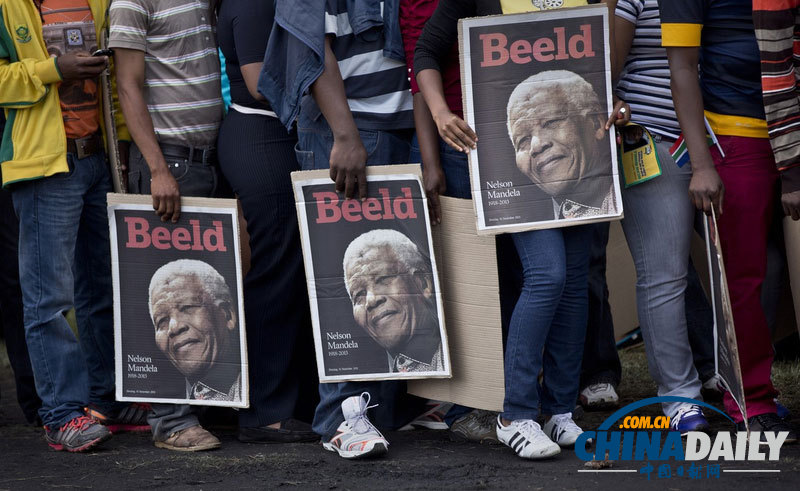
(537, 92)
(373, 286)
(179, 330)
(726, 351)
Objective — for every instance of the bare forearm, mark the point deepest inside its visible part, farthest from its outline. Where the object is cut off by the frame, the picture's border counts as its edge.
(688, 102)
(140, 126)
(430, 85)
(328, 92)
(427, 135)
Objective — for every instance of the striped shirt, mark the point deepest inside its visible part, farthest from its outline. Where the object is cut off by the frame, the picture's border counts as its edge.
(644, 81)
(377, 87)
(777, 28)
(182, 74)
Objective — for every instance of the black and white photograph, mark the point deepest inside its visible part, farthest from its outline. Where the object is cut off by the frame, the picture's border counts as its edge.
(537, 91)
(178, 315)
(373, 287)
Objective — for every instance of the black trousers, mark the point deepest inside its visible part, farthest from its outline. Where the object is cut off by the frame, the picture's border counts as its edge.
(256, 156)
(11, 310)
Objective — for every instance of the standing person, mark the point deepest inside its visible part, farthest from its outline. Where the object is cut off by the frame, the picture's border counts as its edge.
(658, 220)
(256, 154)
(552, 309)
(775, 28)
(738, 185)
(357, 112)
(445, 172)
(169, 89)
(59, 185)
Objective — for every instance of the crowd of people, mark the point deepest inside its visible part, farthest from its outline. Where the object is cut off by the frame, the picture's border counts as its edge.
(340, 85)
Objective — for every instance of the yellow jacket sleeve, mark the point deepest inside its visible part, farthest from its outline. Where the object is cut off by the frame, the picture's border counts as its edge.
(26, 82)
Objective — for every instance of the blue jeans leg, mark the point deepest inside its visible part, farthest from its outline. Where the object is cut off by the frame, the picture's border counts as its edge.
(658, 227)
(548, 324)
(51, 212)
(93, 290)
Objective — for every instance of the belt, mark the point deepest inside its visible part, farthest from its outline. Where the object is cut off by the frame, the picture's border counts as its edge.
(206, 156)
(86, 146)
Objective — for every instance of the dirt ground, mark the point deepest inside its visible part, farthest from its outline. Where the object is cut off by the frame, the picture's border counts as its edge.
(417, 459)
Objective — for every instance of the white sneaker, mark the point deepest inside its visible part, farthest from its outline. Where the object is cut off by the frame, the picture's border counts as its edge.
(356, 437)
(432, 418)
(525, 436)
(599, 396)
(562, 429)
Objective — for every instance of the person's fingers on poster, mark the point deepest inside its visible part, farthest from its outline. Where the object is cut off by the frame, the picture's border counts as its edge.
(166, 196)
(435, 186)
(348, 159)
(707, 190)
(620, 115)
(362, 183)
(455, 132)
(791, 204)
(349, 184)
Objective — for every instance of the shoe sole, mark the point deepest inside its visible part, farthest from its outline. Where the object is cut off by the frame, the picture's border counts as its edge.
(376, 451)
(427, 425)
(196, 448)
(60, 447)
(601, 405)
(123, 428)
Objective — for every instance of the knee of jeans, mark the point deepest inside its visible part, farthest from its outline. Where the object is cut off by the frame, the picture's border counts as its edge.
(550, 277)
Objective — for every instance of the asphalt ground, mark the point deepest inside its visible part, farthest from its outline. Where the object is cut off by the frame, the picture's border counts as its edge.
(417, 459)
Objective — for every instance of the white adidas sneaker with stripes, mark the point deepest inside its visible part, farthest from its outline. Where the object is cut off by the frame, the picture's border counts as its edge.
(527, 439)
(562, 429)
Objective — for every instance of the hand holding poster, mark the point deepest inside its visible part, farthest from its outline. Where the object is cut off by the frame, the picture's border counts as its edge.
(178, 313)
(537, 91)
(373, 286)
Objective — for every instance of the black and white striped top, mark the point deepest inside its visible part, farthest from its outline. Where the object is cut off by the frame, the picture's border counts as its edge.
(644, 81)
(377, 87)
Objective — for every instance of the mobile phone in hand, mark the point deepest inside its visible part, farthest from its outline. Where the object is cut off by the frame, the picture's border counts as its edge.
(104, 52)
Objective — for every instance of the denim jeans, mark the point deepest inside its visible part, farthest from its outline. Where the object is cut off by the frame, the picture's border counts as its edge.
(548, 324)
(65, 262)
(396, 408)
(658, 228)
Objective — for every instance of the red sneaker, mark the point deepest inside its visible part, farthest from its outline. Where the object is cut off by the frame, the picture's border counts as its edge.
(132, 417)
(77, 435)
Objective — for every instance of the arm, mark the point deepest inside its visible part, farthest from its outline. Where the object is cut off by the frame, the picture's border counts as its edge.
(706, 188)
(622, 32)
(428, 140)
(250, 73)
(438, 36)
(27, 82)
(130, 84)
(348, 157)
(790, 192)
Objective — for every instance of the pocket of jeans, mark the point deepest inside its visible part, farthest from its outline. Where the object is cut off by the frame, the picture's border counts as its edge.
(198, 180)
(178, 169)
(371, 140)
(304, 157)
